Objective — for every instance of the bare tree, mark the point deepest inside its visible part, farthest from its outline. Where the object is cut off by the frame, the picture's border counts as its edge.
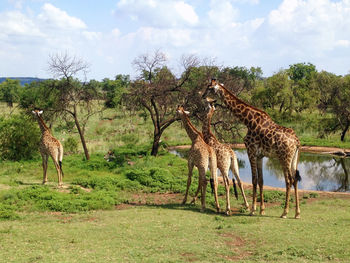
(74, 98)
(63, 65)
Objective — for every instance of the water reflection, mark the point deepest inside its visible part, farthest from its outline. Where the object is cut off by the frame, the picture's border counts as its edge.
(318, 172)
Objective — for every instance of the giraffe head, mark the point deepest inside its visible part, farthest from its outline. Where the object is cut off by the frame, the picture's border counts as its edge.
(212, 89)
(37, 112)
(181, 111)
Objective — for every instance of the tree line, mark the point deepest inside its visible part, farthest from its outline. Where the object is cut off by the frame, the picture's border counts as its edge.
(158, 89)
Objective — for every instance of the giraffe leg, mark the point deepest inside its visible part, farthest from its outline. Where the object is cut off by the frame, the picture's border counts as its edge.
(253, 166)
(227, 188)
(261, 186)
(44, 160)
(214, 176)
(189, 179)
(235, 171)
(203, 184)
(297, 204)
(59, 174)
(197, 192)
(288, 185)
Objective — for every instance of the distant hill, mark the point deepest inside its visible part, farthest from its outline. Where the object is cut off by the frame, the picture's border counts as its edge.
(23, 80)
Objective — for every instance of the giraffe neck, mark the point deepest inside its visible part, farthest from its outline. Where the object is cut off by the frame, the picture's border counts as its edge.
(207, 134)
(192, 132)
(246, 113)
(42, 125)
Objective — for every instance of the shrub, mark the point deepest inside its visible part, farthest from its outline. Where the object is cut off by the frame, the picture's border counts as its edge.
(7, 212)
(19, 138)
(70, 145)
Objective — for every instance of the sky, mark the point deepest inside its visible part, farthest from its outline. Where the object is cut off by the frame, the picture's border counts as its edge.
(110, 34)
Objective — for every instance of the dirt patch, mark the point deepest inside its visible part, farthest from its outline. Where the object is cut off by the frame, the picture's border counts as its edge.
(236, 244)
(151, 199)
(189, 257)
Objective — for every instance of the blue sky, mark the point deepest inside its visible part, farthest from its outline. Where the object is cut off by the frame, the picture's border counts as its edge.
(110, 34)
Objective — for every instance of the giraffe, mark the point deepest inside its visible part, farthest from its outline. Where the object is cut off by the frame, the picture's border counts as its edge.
(226, 158)
(264, 138)
(202, 156)
(49, 146)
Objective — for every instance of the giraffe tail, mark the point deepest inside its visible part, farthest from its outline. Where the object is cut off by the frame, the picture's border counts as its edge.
(212, 185)
(294, 165)
(235, 187)
(297, 176)
(60, 158)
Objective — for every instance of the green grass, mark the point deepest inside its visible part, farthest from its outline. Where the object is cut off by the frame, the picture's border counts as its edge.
(175, 233)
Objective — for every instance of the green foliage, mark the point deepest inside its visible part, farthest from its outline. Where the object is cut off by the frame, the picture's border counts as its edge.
(9, 91)
(115, 89)
(70, 145)
(156, 178)
(19, 138)
(8, 212)
(42, 198)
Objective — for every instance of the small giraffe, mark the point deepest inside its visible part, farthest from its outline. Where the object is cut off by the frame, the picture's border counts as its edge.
(264, 138)
(200, 155)
(226, 158)
(49, 146)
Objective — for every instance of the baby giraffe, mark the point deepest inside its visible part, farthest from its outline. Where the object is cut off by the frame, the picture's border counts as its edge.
(200, 155)
(226, 158)
(49, 146)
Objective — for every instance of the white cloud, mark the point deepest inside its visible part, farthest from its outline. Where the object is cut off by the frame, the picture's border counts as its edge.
(14, 24)
(52, 16)
(222, 13)
(158, 13)
(321, 23)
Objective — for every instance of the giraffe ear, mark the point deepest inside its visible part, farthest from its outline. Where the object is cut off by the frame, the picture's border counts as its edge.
(40, 112)
(33, 112)
(187, 112)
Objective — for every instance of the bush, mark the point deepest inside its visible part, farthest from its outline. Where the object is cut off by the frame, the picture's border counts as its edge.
(19, 138)
(70, 145)
(42, 198)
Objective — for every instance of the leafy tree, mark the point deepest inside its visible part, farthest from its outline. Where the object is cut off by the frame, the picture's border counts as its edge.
(115, 89)
(9, 91)
(275, 91)
(334, 98)
(158, 91)
(19, 138)
(304, 96)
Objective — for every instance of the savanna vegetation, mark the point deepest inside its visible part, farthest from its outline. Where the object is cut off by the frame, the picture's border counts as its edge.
(128, 209)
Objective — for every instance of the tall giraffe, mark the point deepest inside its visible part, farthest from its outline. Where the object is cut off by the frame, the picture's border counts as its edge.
(264, 138)
(200, 155)
(49, 146)
(225, 156)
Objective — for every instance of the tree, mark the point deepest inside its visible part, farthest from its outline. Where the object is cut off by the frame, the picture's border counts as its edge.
(276, 91)
(9, 91)
(72, 95)
(19, 138)
(115, 89)
(334, 98)
(158, 91)
(304, 96)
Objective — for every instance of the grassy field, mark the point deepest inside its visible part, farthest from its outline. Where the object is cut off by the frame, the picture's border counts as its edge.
(175, 233)
(129, 210)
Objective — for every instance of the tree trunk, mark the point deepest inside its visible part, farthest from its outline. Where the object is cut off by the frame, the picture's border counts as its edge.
(344, 131)
(81, 134)
(155, 146)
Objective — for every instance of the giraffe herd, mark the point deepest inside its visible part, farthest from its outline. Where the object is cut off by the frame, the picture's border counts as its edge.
(264, 138)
